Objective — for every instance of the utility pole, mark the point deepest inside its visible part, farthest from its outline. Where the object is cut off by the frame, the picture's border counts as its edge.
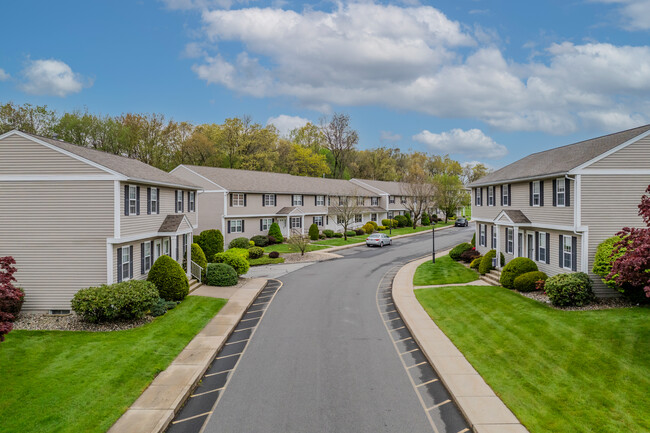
(433, 238)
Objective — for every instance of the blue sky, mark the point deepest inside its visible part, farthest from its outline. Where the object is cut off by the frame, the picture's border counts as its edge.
(488, 81)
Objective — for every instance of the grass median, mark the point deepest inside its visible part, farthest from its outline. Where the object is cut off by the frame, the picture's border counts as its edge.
(83, 381)
(558, 371)
(443, 271)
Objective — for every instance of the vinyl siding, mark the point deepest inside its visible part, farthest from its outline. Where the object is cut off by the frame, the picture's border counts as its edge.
(254, 205)
(633, 156)
(143, 223)
(609, 203)
(137, 256)
(57, 233)
(21, 156)
(210, 211)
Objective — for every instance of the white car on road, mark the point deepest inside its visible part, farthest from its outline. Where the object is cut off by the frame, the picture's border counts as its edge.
(378, 239)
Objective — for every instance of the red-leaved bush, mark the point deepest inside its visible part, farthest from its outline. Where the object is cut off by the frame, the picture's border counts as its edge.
(11, 298)
(633, 267)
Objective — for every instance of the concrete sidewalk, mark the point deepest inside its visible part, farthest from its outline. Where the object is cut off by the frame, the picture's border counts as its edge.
(155, 408)
(485, 412)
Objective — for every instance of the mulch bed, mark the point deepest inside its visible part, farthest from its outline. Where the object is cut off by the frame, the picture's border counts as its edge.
(72, 322)
(599, 303)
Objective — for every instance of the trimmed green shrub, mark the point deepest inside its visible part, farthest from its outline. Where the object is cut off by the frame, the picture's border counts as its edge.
(328, 233)
(369, 228)
(239, 243)
(234, 259)
(486, 262)
(127, 300)
(260, 240)
(409, 220)
(338, 235)
(514, 268)
(473, 243)
(469, 256)
(221, 275)
(476, 263)
(425, 219)
(199, 258)
(313, 232)
(322, 236)
(402, 221)
(272, 240)
(458, 250)
(389, 222)
(603, 262)
(251, 244)
(374, 224)
(161, 307)
(210, 241)
(275, 231)
(359, 232)
(169, 278)
(528, 282)
(274, 255)
(255, 252)
(569, 289)
(381, 228)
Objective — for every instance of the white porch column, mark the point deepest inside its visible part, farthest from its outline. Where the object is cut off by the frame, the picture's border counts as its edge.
(109, 263)
(302, 224)
(515, 240)
(498, 248)
(189, 255)
(174, 247)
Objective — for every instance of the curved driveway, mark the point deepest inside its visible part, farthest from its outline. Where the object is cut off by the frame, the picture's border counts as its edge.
(321, 359)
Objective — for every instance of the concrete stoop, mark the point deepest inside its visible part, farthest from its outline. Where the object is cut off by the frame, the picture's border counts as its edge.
(492, 277)
(194, 284)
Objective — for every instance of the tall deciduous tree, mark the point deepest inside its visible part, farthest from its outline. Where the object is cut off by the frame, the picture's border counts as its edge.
(344, 210)
(473, 172)
(340, 140)
(419, 191)
(450, 194)
(37, 120)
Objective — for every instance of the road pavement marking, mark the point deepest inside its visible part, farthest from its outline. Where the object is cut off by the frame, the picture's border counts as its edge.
(439, 404)
(207, 392)
(409, 351)
(235, 342)
(214, 374)
(192, 417)
(404, 339)
(228, 356)
(426, 383)
(423, 362)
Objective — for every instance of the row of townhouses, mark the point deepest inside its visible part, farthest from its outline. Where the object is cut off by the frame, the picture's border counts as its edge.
(555, 207)
(75, 217)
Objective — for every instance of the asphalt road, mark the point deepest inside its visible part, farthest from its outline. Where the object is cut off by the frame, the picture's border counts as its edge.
(321, 359)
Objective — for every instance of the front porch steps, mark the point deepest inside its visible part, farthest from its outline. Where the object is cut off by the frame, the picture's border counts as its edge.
(492, 277)
(194, 284)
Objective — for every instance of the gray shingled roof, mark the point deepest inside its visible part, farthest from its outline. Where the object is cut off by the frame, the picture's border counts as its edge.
(265, 182)
(391, 188)
(560, 160)
(171, 223)
(131, 168)
(516, 216)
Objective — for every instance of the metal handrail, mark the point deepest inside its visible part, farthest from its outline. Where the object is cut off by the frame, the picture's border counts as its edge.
(195, 270)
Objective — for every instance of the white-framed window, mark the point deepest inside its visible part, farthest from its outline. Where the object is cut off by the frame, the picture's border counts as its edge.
(543, 248)
(295, 222)
(133, 199)
(147, 256)
(184, 246)
(358, 218)
(236, 226)
(318, 220)
(343, 201)
(157, 249)
(297, 200)
(402, 200)
(490, 195)
(154, 200)
(567, 252)
(510, 240)
(360, 201)
(482, 236)
(560, 193)
(374, 201)
(373, 217)
(340, 219)
(536, 193)
(179, 200)
(126, 263)
(505, 198)
(237, 199)
(265, 224)
(391, 199)
(191, 203)
(478, 192)
(165, 244)
(269, 199)
(320, 200)
(494, 230)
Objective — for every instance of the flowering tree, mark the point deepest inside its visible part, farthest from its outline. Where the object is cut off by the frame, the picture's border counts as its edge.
(11, 298)
(633, 266)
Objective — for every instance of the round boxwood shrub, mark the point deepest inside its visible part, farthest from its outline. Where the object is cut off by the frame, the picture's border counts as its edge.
(486, 262)
(255, 252)
(234, 259)
(359, 232)
(260, 240)
(313, 232)
(127, 300)
(389, 223)
(566, 290)
(239, 243)
(210, 241)
(470, 255)
(425, 219)
(368, 228)
(528, 282)
(401, 221)
(514, 268)
(275, 231)
(603, 261)
(338, 235)
(199, 258)
(409, 220)
(329, 233)
(274, 255)
(374, 224)
(351, 233)
(169, 278)
(458, 250)
(475, 263)
(221, 275)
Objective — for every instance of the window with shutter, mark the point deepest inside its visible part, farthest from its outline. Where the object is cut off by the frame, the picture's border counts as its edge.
(119, 265)
(133, 200)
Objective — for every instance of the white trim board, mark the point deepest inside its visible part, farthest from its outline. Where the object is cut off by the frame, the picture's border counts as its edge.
(56, 177)
(199, 175)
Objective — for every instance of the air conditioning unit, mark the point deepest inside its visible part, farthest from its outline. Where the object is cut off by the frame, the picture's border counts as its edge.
(494, 262)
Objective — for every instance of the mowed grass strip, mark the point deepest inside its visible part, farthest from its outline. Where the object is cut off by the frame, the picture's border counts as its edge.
(265, 260)
(286, 248)
(558, 371)
(443, 271)
(56, 381)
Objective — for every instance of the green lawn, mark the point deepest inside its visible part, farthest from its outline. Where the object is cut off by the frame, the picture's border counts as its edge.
(558, 371)
(84, 381)
(444, 271)
(265, 260)
(286, 248)
(356, 239)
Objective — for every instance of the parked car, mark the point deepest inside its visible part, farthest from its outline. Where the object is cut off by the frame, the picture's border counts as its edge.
(378, 239)
(461, 222)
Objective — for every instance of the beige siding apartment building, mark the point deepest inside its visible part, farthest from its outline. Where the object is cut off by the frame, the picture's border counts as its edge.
(393, 196)
(75, 217)
(243, 203)
(557, 206)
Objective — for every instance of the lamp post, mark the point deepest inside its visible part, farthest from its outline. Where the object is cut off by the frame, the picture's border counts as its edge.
(433, 239)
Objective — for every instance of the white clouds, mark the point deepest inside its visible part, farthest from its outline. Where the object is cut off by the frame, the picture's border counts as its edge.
(285, 124)
(52, 77)
(415, 58)
(471, 143)
(634, 13)
(3, 75)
